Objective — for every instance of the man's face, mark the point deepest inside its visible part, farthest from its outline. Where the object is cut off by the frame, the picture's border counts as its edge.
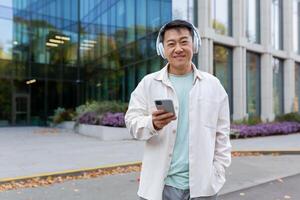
(178, 46)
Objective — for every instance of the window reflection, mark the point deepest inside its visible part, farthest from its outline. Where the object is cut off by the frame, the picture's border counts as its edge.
(296, 26)
(277, 24)
(277, 86)
(223, 69)
(253, 84)
(7, 3)
(253, 21)
(6, 39)
(222, 16)
(5, 102)
(297, 88)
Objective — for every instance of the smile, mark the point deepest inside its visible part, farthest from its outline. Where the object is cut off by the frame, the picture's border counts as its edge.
(178, 56)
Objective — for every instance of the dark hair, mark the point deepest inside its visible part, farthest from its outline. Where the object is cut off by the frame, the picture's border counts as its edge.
(177, 24)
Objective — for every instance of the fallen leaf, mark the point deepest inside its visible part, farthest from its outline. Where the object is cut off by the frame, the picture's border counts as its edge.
(280, 180)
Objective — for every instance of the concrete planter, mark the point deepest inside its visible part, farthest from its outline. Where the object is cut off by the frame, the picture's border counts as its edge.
(66, 125)
(103, 132)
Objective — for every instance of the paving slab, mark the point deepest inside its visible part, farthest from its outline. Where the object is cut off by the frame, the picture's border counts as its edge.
(30, 151)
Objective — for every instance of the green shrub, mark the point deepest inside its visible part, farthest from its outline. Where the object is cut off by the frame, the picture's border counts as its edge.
(102, 107)
(290, 117)
(253, 120)
(61, 114)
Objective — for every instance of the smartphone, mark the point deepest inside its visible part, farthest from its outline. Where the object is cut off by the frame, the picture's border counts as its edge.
(165, 104)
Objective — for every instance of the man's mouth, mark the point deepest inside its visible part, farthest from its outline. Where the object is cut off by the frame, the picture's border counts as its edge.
(179, 56)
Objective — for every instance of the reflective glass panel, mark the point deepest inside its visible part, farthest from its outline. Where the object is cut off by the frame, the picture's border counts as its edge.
(296, 25)
(253, 21)
(222, 16)
(297, 88)
(253, 84)
(277, 24)
(278, 86)
(223, 69)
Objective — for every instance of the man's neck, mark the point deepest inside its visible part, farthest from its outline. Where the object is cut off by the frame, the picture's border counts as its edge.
(180, 70)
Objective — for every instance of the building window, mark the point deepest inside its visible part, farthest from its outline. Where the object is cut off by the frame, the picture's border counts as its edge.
(297, 87)
(277, 24)
(253, 84)
(296, 26)
(222, 16)
(223, 69)
(6, 40)
(253, 21)
(277, 86)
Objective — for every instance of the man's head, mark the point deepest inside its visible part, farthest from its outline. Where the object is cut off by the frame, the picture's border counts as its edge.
(177, 24)
(177, 41)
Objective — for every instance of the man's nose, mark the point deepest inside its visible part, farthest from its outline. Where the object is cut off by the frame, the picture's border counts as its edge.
(178, 48)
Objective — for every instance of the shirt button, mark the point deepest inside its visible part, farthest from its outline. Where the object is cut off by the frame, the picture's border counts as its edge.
(174, 131)
(176, 107)
(170, 155)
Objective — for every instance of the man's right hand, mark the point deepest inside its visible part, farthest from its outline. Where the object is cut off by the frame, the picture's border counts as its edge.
(161, 118)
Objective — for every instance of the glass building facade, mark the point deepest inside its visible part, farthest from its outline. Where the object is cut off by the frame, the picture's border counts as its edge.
(62, 53)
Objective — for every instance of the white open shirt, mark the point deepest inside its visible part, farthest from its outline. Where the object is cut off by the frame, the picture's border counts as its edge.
(209, 127)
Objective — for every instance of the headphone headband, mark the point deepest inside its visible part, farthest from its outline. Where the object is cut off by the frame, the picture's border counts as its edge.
(196, 40)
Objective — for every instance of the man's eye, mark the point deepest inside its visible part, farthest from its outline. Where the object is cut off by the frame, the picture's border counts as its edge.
(170, 44)
(184, 42)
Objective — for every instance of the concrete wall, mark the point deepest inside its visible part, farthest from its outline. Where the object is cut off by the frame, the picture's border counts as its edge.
(239, 44)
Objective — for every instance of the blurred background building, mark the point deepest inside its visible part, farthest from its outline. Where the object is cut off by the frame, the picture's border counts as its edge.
(62, 53)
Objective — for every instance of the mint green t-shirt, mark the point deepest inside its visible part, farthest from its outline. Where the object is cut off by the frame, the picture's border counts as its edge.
(178, 174)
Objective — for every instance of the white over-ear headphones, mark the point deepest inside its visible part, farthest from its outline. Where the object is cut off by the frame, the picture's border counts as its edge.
(196, 40)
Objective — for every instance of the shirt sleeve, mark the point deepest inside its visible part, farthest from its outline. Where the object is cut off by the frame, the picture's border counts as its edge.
(137, 118)
(222, 158)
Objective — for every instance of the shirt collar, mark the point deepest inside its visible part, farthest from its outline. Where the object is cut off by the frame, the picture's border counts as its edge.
(163, 74)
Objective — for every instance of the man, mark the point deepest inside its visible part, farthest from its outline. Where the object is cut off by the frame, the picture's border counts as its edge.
(185, 154)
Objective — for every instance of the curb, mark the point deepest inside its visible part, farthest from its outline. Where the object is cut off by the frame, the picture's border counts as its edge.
(80, 171)
(75, 172)
(269, 151)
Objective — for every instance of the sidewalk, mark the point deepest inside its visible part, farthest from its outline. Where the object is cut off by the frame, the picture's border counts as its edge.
(27, 151)
(244, 172)
(32, 151)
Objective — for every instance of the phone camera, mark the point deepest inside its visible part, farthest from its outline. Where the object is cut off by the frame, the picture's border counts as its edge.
(158, 102)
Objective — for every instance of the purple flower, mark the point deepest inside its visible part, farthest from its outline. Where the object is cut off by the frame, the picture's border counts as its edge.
(89, 118)
(113, 119)
(267, 129)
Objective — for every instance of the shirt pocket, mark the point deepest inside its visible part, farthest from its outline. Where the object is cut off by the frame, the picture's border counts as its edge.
(209, 111)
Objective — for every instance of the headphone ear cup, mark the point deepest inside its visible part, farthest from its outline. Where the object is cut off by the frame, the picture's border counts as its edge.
(195, 43)
(161, 50)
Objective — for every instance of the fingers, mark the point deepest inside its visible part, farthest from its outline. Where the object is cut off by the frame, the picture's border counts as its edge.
(161, 118)
(164, 116)
(158, 112)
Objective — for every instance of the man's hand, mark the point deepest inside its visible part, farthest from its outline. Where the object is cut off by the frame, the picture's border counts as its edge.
(161, 118)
